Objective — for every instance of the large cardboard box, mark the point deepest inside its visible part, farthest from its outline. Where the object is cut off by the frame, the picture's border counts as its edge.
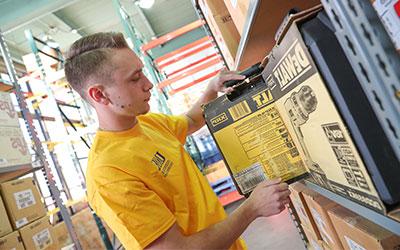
(38, 235)
(307, 108)
(224, 30)
(252, 137)
(11, 241)
(319, 206)
(314, 243)
(22, 200)
(61, 236)
(8, 115)
(296, 196)
(238, 10)
(86, 229)
(5, 226)
(13, 151)
(356, 232)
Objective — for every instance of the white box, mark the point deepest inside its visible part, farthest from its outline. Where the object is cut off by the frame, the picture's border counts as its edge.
(14, 150)
(8, 115)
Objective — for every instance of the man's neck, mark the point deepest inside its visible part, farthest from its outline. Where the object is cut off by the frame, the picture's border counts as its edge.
(115, 122)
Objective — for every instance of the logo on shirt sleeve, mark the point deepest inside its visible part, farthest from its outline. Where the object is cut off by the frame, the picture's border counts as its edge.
(163, 164)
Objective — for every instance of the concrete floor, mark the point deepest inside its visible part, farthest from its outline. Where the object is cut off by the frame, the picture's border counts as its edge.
(273, 233)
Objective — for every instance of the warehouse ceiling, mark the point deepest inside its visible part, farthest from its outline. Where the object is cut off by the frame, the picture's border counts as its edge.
(65, 21)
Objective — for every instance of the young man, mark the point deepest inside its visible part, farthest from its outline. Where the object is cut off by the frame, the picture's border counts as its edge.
(140, 180)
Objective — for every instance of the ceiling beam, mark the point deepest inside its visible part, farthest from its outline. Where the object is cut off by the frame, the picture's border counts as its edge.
(70, 24)
(17, 13)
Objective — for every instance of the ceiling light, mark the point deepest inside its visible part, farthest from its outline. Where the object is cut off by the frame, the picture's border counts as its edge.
(145, 4)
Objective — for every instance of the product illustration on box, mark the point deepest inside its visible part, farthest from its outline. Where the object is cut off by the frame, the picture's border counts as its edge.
(305, 104)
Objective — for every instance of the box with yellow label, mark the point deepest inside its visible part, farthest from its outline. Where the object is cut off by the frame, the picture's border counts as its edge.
(252, 137)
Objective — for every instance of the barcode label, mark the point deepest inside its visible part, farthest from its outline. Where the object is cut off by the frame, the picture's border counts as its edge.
(21, 222)
(248, 179)
(24, 199)
(353, 245)
(42, 239)
(239, 110)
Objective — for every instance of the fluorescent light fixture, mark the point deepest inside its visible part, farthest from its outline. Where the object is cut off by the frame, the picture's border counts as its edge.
(145, 4)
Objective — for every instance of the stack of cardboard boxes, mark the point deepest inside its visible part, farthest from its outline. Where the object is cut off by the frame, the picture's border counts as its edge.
(27, 215)
(24, 212)
(223, 28)
(14, 151)
(328, 225)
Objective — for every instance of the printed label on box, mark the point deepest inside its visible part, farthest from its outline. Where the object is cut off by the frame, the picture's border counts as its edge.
(42, 239)
(352, 244)
(24, 199)
(321, 226)
(250, 177)
(21, 222)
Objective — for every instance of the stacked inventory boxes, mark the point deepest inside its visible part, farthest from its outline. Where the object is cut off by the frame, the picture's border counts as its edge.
(356, 232)
(14, 151)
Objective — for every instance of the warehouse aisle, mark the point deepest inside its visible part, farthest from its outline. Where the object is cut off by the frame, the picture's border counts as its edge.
(273, 233)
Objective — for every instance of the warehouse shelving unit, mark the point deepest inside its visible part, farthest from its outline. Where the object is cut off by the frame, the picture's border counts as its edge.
(374, 59)
(65, 122)
(384, 221)
(372, 55)
(38, 147)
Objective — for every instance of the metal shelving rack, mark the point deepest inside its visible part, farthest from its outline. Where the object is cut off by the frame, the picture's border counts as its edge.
(38, 148)
(374, 59)
(384, 221)
(62, 118)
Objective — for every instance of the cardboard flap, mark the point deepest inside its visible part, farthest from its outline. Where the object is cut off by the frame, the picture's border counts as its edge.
(298, 17)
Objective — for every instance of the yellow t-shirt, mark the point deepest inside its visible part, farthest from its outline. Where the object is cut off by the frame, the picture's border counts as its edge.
(141, 181)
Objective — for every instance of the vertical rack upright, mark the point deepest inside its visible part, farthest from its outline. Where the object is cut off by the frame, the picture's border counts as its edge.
(36, 142)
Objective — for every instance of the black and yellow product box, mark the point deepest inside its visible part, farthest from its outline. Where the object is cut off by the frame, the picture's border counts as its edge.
(324, 126)
(252, 137)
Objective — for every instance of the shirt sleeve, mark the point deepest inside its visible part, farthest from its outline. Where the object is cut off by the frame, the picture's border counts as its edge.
(177, 124)
(139, 212)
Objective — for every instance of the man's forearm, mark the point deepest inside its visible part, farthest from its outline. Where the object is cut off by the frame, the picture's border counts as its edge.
(195, 114)
(223, 234)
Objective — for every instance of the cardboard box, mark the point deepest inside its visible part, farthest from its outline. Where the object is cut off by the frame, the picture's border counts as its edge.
(224, 30)
(389, 13)
(87, 230)
(38, 235)
(356, 232)
(252, 137)
(5, 226)
(11, 241)
(319, 206)
(23, 202)
(297, 189)
(238, 10)
(8, 115)
(307, 108)
(61, 236)
(13, 151)
(314, 243)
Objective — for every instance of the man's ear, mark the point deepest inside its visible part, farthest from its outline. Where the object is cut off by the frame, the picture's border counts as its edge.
(97, 95)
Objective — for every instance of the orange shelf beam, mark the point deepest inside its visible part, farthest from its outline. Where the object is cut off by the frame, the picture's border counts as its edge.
(174, 34)
(193, 64)
(201, 67)
(230, 197)
(205, 40)
(185, 55)
(199, 80)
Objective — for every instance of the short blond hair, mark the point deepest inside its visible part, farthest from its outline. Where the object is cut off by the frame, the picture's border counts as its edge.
(88, 59)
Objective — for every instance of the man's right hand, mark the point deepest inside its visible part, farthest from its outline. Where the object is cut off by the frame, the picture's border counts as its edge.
(269, 198)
